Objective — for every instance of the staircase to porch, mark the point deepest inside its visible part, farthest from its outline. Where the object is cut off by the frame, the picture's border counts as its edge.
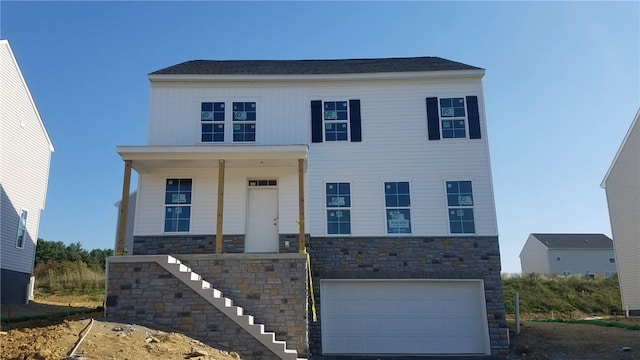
(236, 313)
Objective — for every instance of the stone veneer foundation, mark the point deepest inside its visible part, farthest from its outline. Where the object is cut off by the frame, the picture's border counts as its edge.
(367, 258)
(271, 287)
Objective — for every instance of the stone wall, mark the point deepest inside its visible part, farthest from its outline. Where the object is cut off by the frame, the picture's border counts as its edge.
(412, 258)
(272, 288)
(202, 244)
(146, 291)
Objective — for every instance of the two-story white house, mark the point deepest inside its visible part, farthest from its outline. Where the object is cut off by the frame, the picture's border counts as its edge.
(378, 168)
(25, 154)
(568, 254)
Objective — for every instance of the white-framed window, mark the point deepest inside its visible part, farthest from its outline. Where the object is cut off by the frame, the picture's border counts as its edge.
(177, 208)
(557, 257)
(566, 273)
(338, 207)
(453, 118)
(22, 229)
(397, 201)
(212, 121)
(336, 120)
(244, 121)
(460, 207)
(612, 258)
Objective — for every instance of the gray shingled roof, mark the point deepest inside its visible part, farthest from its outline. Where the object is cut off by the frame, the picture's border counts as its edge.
(575, 241)
(291, 67)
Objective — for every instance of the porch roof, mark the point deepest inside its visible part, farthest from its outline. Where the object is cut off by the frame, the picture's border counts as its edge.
(146, 158)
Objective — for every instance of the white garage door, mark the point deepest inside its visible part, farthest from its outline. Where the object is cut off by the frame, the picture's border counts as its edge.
(403, 317)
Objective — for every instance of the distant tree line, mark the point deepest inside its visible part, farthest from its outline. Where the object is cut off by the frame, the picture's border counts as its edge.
(57, 252)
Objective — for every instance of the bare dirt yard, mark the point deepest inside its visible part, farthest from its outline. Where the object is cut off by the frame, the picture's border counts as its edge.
(56, 333)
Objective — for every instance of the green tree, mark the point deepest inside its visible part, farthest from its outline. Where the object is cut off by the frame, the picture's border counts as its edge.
(47, 251)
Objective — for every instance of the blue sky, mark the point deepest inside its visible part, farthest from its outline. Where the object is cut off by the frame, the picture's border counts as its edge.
(561, 88)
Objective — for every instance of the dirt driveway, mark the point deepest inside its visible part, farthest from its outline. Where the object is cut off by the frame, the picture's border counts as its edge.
(56, 334)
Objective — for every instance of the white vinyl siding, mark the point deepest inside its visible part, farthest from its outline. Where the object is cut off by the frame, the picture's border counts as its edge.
(150, 199)
(623, 198)
(580, 261)
(25, 152)
(533, 257)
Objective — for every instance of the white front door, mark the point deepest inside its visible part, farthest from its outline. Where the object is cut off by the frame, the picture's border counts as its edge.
(262, 220)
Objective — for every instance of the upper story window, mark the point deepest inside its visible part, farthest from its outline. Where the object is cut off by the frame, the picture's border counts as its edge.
(336, 121)
(244, 121)
(460, 205)
(212, 121)
(177, 200)
(612, 258)
(453, 117)
(397, 199)
(338, 204)
(22, 229)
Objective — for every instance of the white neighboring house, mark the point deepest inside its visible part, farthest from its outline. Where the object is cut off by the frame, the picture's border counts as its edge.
(25, 154)
(622, 186)
(568, 254)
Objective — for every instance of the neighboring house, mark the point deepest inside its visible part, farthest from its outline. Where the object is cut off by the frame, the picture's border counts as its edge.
(622, 186)
(378, 168)
(25, 154)
(568, 254)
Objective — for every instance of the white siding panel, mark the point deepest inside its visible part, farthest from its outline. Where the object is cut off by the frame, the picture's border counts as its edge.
(150, 209)
(534, 257)
(623, 197)
(25, 153)
(392, 152)
(281, 113)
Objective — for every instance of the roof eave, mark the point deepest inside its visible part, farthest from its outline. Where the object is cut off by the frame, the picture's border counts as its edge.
(479, 73)
(603, 184)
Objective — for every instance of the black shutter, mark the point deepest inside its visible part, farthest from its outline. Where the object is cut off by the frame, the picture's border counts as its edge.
(474, 117)
(354, 120)
(433, 120)
(316, 121)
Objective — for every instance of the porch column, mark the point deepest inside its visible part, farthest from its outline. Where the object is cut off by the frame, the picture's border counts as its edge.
(220, 206)
(124, 208)
(301, 239)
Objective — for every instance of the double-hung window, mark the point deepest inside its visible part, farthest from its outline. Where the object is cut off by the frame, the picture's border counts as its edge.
(22, 229)
(338, 205)
(244, 121)
(336, 121)
(397, 200)
(460, 206)
(212, 121)
(453, 117)
(177, 209)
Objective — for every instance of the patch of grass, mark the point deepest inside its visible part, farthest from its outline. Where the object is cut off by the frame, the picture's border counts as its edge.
(70, 278)
(563, 294)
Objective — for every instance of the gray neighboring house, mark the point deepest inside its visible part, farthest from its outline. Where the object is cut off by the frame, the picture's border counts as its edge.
(568, 254)
(622, 186)
(25, 154)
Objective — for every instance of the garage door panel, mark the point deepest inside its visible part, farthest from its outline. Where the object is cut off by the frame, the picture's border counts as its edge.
(403, 317)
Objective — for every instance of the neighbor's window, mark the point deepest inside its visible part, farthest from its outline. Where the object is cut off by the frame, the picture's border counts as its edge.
(177, 202)
(397, 201)
(212, 121)
(453, 117)
(612, 259)
(244, 121)
(460, 203)
(336, 121)
(338, 205)
(22, 229)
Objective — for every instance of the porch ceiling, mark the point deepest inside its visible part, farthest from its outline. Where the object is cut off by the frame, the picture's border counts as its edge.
(147, 158)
